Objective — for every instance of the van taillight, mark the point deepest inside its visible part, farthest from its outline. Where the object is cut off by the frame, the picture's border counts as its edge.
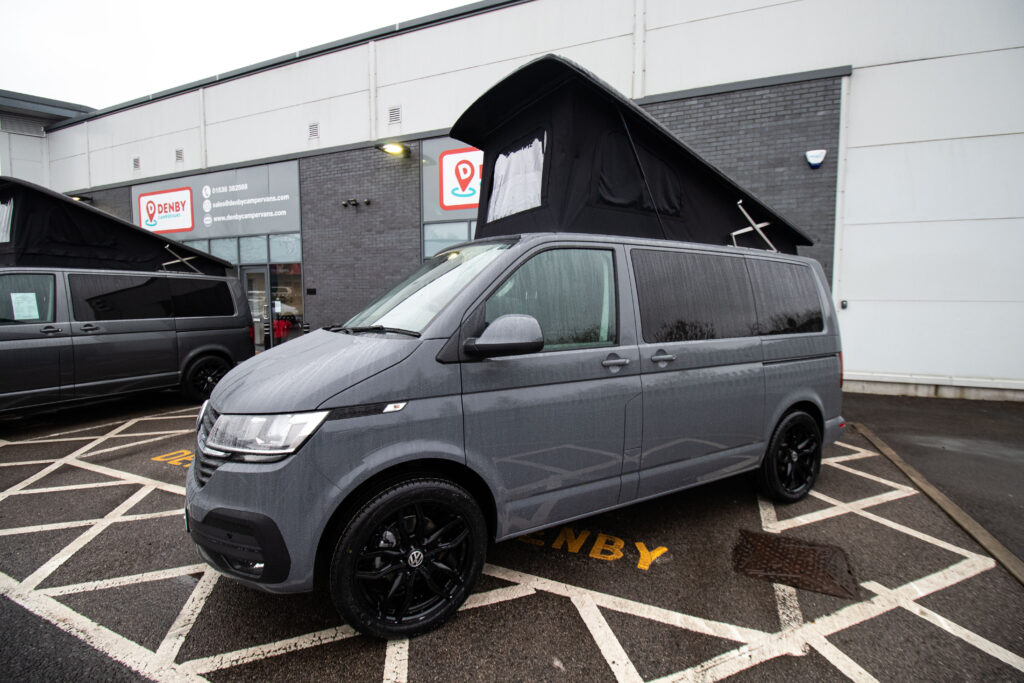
(252, 337)
(840, 366)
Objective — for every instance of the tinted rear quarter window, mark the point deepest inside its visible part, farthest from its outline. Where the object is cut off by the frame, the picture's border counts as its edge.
(786, 296)
(119, 297)
(687, 297)
(195, 298)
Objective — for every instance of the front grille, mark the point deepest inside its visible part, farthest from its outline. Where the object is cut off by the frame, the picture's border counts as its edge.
(207, 459)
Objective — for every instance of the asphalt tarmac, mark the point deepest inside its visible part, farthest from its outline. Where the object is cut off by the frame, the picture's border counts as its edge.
(99, 581)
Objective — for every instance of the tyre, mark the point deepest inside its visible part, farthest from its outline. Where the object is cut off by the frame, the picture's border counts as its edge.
(408, 558)
(202, 376)
(793, 459)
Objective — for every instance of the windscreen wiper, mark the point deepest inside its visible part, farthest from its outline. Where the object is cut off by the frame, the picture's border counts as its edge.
(370, 328)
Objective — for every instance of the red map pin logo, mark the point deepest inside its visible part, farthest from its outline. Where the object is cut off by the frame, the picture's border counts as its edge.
(151, 210)
(464, 172)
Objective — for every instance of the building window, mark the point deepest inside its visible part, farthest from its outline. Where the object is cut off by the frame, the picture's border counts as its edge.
(440, 236)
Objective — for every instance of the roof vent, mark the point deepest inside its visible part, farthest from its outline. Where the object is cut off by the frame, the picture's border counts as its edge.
(394, 115)
(136, 163)
(179, 155)
(314, 131)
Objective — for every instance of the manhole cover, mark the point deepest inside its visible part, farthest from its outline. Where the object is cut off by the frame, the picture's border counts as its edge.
(812, 566)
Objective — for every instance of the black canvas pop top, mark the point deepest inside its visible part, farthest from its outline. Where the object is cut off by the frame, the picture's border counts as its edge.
(42, 228)
(596, 162)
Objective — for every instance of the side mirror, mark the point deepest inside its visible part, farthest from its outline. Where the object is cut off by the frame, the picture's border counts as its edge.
(509, 335)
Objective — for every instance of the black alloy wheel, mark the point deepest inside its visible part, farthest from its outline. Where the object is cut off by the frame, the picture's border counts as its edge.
(793, 460)
(202, 376)
(408, 559)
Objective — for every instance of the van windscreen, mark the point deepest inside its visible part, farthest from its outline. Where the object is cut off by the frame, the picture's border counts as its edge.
(414, 302)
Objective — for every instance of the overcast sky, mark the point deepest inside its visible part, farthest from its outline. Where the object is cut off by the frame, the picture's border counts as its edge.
(104, 52)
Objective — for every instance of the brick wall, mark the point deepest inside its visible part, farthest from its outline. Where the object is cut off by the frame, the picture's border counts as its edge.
(758, 138)
(117, 201)
(352, 255)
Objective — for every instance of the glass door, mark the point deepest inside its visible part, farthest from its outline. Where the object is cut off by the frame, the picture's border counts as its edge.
(256, 292)
(286, 301)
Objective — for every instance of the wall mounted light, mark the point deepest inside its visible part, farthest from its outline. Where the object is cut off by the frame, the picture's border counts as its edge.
(81, 198)
(354, 202)
(396, 149)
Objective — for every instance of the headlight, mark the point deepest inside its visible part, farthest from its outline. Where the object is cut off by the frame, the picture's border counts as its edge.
(259, 438)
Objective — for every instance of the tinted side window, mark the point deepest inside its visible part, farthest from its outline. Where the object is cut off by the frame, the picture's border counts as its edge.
(119, 297)
(685, 297)
(571, 293)
(787, 298)
(195, 298)
(26, 298)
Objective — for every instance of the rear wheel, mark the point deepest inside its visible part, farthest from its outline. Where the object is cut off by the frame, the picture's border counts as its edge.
(408, 558)
(202, 376)
(793, 460)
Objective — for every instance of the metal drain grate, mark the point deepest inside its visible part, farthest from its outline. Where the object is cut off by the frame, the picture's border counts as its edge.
(812, 566)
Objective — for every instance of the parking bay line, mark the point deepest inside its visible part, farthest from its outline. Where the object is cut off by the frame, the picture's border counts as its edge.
(58, 526)
(1013, 564)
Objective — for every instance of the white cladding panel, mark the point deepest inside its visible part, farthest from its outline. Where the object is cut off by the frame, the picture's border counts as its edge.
(311, 80)
(435, 102)
(68, 142)
(962, 96)
(152, 120)
(69, 173)
(784, 38)
(940, 261)
(342, 120)
(935, 342)
(25, 157)
(156, 156)
(522, 31)
(936, 181)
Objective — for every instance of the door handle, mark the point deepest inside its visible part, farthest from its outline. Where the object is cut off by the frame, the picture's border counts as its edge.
(89, 327)
(50, 329)
(614, 362)
(663, 357)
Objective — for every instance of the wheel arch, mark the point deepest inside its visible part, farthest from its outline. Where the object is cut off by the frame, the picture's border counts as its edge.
(450, 470)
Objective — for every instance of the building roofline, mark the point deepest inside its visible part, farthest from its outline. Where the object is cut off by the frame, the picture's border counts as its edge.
(43, 107)
(446, 16)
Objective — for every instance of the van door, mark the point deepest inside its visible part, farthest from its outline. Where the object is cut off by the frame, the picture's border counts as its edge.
(550, 427)
(35, 339)
(703, 379)
(123, 333)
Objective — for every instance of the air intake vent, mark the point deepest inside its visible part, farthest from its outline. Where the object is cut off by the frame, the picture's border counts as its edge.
(179, 155)
(136, 163)
(21, 124)
(314, 131)
(394, 115)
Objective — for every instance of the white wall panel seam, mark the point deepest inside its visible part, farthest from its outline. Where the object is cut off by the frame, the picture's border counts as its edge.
(526, 56)
(253, 114)
(945, 139)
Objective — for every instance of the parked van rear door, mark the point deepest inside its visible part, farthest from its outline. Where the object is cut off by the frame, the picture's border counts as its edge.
(35, 338)
(123, 333)
(550, 427)
(703, 379)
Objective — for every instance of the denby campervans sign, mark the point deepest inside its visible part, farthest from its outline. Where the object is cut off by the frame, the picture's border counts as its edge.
(166, 210)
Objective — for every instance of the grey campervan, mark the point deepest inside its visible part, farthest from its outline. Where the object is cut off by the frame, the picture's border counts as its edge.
(508, 385)
(92, 306)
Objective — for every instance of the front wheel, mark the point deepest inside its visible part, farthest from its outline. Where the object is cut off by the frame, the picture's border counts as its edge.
(202, 376)
(408, 558)
(793, 459)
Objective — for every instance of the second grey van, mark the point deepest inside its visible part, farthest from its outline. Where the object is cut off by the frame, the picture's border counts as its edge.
(70, 335)
(508, 385)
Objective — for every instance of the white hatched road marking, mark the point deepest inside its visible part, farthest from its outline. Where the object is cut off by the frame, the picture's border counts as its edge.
(754, 647)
